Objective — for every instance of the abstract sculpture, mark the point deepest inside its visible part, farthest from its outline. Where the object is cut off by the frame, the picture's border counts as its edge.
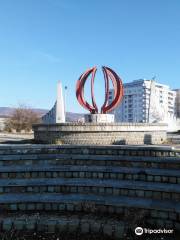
(108, 74)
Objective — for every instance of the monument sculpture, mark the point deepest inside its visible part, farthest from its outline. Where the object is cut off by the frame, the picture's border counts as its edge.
(99, 128)
(109, 74)
(57, 113)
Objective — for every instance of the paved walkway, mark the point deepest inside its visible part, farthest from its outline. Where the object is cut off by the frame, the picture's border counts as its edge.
(14, 137)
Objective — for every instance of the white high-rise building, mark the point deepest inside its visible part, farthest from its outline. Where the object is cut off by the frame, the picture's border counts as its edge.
(145, 101)
(177, 102)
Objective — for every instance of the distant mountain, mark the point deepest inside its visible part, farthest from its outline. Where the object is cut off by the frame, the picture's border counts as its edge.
(8, 111)
(73, 117)
(5, 111)
(70, 116)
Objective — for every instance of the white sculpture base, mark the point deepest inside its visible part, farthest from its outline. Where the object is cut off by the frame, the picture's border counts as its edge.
(99, 118)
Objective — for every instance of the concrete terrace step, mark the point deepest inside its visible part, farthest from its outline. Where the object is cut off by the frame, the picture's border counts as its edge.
(93, 168)
(144, 150)
(55, 146)
(81, 171)
(160, 213)
(116, 201)
(49, 156)
(107, 160)
(91, 182)
(99, 186)
(46, 226)
(73, 226)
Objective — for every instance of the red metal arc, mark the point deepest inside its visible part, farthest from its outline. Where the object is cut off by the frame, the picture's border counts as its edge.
(109, 74)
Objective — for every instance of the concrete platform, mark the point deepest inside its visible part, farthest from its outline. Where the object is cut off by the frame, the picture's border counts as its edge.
(100, 133)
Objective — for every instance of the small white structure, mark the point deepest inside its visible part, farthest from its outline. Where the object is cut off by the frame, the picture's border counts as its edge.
(57, 113)
(99, 118)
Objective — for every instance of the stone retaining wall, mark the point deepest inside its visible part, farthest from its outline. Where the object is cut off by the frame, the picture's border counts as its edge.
(100, 133)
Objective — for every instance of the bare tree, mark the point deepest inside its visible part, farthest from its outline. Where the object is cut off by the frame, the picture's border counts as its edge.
(22, 120)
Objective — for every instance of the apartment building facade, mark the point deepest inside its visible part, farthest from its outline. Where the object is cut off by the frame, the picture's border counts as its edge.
(177, 102)
(144, 101)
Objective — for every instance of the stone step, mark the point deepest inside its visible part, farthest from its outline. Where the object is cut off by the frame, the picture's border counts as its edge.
(48, 225)
(84, 199)
(61, 156)
(166, 213)
(98, 186)
(106, 160)
(100, 172)
(44, 226)
(124, 150)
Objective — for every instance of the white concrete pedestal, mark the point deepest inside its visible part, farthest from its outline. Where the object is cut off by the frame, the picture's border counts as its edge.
(99, 118)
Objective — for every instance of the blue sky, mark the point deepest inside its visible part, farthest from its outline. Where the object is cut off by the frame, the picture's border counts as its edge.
(43, 41)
